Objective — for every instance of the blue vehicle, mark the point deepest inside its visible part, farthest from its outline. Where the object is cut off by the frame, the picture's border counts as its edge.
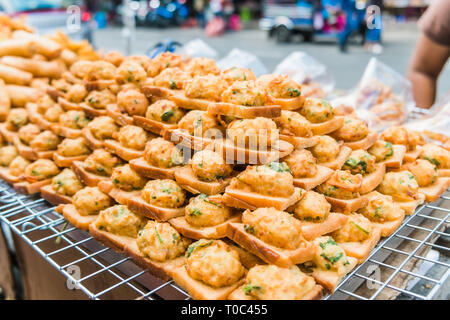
(312, 19)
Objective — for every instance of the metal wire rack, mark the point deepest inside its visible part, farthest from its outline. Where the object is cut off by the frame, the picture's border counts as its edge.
(99, 271)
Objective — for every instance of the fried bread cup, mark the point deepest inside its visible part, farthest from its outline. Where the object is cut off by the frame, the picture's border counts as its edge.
(66, 162)
(99, 85)
(92, 141)
(188, 180)
(66, 104)
(152, 125)
(354, 244)
(184, 139)
(267, 252)
(117, 227)
(53, 197)
(365, 143)
(31, 153)
(327, 126)
(339, 161)
(7, 134)
(330, 263)
(403, 188)
(312, 230)
(88, 178)
(215, 207)
(347, 205)
(160, 200)
(37, 118)
(299, 142)
(412, 155)
(433, 191)
(85, 207)
(443, 172)
(241, 154)
(27, 188)
(204, 283)
(54, 93)
(137, 204)
(244, 112)
(176, 96)
(6, 175)
(308, 183)
(121, 118)
(250, 200)
(92, 112)
(66, 132)
(119, 195)
(158, 248)
(383, 213)
(269, 282)
(125, 153)
(395, 159)
(147, 170)
(373, 179)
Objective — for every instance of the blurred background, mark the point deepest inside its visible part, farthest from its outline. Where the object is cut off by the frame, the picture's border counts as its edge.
(337, 33)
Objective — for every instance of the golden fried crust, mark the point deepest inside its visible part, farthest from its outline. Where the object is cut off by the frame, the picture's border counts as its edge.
(443, 172)
(138, 205)
(267, 252)
(320, 129)
(99, 85)
(29, 153)
(26, 187)
(126, 154)
(183, 138)
(147, 170)
(53, 197)
(363, 144)
(78, 221)
(334, 221)
(347, 206)
(37, 118)
(186, 178)
(215, 232)
(176, 96)
(54, 94)
(121, 196)
(289, 103)
(200, 291)
(116, 242)
(372, 180)
(9, 178)
(435, 190)
(410, 206)
(387, 228)
(410, 156)
(337, 163)
(244, 112)
(360, 250)
(123, 119)
(92, 112)
(8, 135)
(91, 141)
(87, 178)
(330, 279)
(299, 142)
(162, 270)
(66, 162)
(397, 158)
(152, 125)
(239, 294)
(66, 132)
(322, 175)
(67, 105)
(250, 200)
(238, 154)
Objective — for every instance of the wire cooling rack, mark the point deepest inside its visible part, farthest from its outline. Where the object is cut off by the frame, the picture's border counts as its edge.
(410, 264)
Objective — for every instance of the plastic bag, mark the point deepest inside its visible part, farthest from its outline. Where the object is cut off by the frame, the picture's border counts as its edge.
(197, 48)
(383, 97)
(435, 125)
(242, 59)
(314, 77)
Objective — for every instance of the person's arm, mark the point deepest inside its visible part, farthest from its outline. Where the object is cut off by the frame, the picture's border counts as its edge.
(426, 64)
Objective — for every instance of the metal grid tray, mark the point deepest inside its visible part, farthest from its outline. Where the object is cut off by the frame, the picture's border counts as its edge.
(83, 261)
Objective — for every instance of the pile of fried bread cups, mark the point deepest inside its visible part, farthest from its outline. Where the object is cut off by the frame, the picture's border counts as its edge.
(235, 187)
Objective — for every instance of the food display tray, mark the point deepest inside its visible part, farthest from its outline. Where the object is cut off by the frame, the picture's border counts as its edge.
(412, 263)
